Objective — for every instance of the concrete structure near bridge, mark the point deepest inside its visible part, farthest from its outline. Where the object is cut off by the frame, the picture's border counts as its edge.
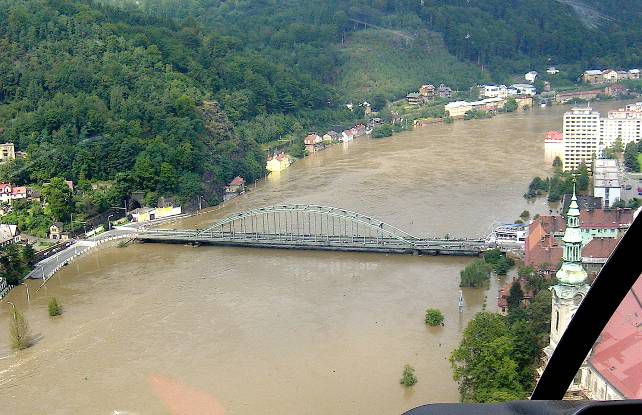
(313, 227)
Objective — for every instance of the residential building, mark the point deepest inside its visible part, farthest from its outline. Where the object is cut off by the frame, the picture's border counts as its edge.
(604, 223)
(444, 92)
(427, 91)
(524, 89)
(606, 182)
(347, 136)
(9, 193)
(56, 232)
(586, 134)
(458, 109)
(278, 162)
(493, 91)
(580, 131)
(565, 97)
(553, 146)
(313, 142)
(235, 188)
(415, 98)
(9, 234)
(504, 293)
(593, 76)
(552, 70)
(331, 137)
(146, 214)
(597, 76)
(7, 152)
(530, 76)
(625, 123)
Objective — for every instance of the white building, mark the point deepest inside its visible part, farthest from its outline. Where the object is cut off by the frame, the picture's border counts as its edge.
(524, 89)
(7, 152)
(586, 133)
(493, 91)
(9, 234)
(552, 70)
(606, 182)
(530, 76)
(625, 123)
(580, 132)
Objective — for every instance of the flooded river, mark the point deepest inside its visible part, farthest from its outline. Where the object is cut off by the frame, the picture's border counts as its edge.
(149, 328)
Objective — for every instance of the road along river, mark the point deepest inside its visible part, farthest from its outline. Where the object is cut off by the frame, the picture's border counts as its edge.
(151, 327)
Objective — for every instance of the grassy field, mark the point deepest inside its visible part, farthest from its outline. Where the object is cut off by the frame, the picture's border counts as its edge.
(377, 61)
(640, 160)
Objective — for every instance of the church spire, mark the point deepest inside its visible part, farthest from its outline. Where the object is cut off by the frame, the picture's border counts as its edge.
(572, 272)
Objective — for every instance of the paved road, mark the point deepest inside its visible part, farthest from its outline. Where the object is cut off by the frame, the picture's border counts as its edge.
(48, 265)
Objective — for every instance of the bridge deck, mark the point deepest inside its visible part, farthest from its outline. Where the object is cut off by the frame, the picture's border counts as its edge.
(459, 247)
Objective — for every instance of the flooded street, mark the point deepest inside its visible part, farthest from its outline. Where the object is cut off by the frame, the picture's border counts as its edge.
(285, 332)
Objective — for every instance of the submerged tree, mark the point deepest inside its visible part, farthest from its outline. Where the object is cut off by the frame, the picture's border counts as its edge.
(19, 330)
(434, 317)
(476, 274)
(54, 308)
(408, 377)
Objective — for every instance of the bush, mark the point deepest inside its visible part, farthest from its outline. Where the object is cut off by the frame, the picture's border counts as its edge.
(54, 307)
(434, 317)
(19, 331)
(408, 377)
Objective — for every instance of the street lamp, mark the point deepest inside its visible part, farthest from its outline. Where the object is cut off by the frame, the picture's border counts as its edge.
(109, 222)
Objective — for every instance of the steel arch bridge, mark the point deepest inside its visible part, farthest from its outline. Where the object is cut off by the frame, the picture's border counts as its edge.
(313, 227)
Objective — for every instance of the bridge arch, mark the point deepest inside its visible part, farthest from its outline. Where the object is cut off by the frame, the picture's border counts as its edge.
(309, 221)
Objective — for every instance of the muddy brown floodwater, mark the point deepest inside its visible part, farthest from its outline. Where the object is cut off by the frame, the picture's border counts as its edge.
(149, 328)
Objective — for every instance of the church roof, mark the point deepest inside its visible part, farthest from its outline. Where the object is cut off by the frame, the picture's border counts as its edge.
(617, 355)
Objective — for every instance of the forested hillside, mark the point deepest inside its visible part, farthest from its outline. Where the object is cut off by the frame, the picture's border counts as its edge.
(173, 97)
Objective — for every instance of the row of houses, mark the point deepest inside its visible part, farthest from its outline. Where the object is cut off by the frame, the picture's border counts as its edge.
(458, 109)
(609, 76)
(600, 231)
(314, 142)
(614, 90)
(9, 193)
(427, 93)
(503, 91)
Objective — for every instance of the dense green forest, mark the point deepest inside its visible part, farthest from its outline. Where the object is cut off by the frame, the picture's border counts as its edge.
(175, 97)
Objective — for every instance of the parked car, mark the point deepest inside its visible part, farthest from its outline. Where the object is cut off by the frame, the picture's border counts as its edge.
(628, 187)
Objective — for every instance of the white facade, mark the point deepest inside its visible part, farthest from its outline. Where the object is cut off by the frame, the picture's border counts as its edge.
(530, 76)
(586, 133)
(624, 123)
(493, 91)
(524, 89)
(580, 132)
(606, 182)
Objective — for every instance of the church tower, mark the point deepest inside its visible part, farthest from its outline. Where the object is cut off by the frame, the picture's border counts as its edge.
(571, 287)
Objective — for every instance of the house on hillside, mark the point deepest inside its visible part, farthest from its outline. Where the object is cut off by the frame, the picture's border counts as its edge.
(235, 188)
(531, 76)
(444, 92)
(415, 98)
(278, 162)
(56, 232)
(551, 70)
(427, 91)
(9, 234)
(7, 152)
